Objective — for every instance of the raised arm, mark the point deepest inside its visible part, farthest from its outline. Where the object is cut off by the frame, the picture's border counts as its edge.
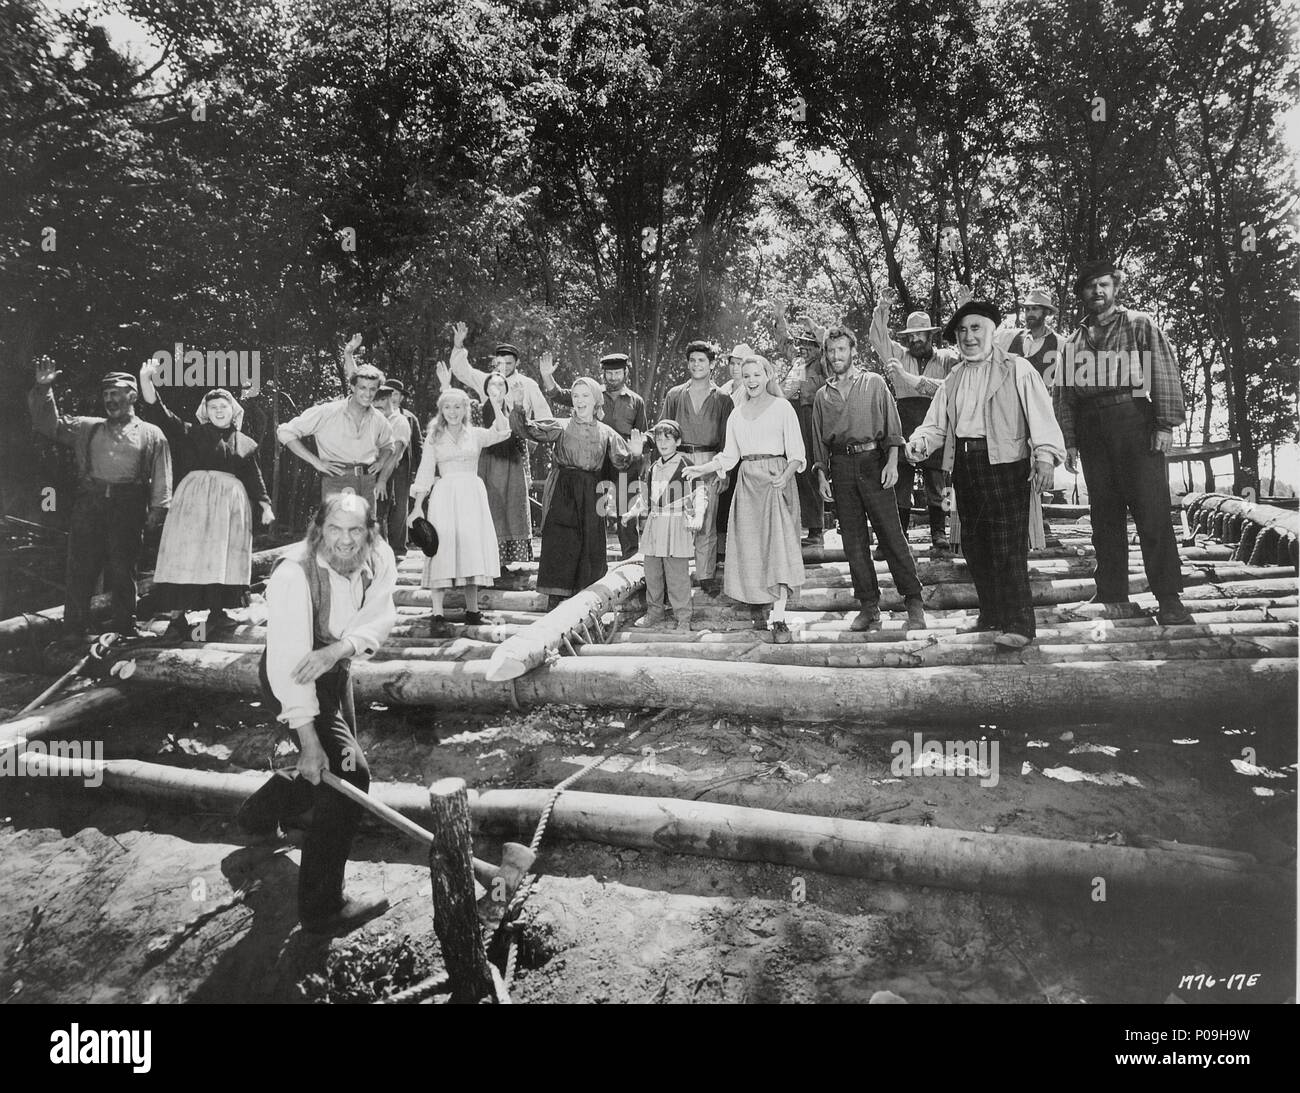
(349, 358)
(152, 408)
(45, 411)
(878, 334)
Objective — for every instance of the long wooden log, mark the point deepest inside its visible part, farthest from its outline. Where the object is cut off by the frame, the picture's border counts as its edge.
(522, 652)
(1043, 592)
(933, 654)
(1013, 692)
(1118, 630)
(1011, 865)
(1015, 865)
(89, 707)
(38, 627)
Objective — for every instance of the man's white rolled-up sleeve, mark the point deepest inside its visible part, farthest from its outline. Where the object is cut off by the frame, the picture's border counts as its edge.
(369, 628)
(288, 640)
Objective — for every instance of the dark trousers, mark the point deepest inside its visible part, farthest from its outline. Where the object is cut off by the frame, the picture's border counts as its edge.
(334, 818)
(811, 509)
(932, 483)
(862, 502)
(911, 412)
(724, 509)
(394, 509)
(105, 534)
(627, 486)
(993, 503)
(1124, 475)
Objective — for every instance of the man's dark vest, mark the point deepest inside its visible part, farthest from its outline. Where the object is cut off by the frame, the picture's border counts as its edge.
(318, 586)
(1049, 352)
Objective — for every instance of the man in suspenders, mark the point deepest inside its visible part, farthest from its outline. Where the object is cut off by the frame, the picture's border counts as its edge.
(329, 602)
(124, 482)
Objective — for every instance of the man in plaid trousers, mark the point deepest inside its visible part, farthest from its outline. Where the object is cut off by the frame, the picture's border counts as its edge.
(993, 418)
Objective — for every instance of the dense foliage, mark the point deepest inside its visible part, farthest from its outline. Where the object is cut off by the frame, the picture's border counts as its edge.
(589, 175)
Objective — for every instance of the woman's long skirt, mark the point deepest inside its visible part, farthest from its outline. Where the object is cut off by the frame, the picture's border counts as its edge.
(205, 557)
(467, 541)
(763, 551)
(505, 473)
(573, 534)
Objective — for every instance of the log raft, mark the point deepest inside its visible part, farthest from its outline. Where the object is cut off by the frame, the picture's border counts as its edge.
(1238, 659)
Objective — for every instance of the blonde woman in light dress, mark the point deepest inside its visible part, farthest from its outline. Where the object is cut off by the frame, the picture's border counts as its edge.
(468, 556)
(764, 558)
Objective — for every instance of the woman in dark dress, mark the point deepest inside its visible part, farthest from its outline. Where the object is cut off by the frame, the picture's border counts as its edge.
(205, 558)
(573, 524)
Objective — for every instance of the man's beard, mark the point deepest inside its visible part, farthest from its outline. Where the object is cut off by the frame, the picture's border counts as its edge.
(345, 564)
(920, 352)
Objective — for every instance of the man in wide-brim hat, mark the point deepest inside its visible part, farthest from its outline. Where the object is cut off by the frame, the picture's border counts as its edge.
(1119, 422)
(992, 417)
(914, 368)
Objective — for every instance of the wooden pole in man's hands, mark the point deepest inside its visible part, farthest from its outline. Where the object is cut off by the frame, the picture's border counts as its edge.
(455, 916)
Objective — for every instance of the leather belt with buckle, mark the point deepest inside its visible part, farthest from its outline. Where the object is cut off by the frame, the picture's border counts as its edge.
(856, 448)
(972, 444)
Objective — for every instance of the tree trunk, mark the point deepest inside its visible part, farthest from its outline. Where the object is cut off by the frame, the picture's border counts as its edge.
(1129, 691)
(1010, 865)
(455, 911)
(530, 648)
(923, 654)
(1015, 865)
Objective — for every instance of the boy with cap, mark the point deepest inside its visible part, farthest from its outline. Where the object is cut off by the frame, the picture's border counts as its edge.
(1123, 433)
(914, 371)
(124, 483)
(676, 514)
(624, 412)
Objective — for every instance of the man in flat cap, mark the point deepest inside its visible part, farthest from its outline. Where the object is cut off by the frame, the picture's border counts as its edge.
(914, 368)
(700, 410)
(505, 362)
(992, 418)
(123, 484)
(1119, 421)
(624, 412)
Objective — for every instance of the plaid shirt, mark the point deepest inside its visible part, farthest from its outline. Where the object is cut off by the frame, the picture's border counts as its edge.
(1129, 331)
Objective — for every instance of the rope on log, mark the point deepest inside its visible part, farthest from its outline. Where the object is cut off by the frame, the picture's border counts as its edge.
(1264, 534)
(533, 646)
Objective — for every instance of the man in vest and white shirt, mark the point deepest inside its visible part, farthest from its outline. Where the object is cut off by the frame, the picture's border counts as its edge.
(1036, 341)
(329, 602)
